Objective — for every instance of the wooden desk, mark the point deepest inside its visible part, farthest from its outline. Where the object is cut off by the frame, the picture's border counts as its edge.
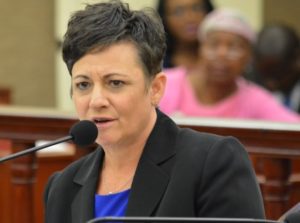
(273, 147)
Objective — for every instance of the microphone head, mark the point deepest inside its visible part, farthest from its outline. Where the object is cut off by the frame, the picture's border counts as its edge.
(293, 218)
(84, 133)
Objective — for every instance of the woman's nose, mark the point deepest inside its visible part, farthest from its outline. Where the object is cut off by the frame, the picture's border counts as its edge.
(222, 52)
(98, 98)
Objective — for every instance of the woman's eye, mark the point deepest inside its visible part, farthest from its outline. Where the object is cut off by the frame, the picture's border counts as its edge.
(82, 85)
(198, 8)
(116, 83)
(236, 46)
(212, 44)
(178, 11)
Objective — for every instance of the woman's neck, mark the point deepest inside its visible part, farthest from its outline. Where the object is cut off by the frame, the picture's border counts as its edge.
(185, 55)
(119, 166)
(122, 159)
(210, 93)
(128, 152)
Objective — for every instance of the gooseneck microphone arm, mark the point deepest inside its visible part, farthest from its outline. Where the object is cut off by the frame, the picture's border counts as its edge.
(33, 149)
(82, 133)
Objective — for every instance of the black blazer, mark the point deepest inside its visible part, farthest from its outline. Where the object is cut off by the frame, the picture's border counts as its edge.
(181, 173)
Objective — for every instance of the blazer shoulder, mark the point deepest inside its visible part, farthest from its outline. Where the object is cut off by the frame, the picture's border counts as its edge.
(193, 137)
(80, 162)
(72, 169)
(203, 142)
(62, 178)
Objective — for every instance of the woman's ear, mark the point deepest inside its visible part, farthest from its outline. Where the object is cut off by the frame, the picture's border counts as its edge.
(157, 88)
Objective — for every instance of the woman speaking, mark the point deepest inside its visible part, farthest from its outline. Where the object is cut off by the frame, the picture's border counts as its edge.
(145, 165)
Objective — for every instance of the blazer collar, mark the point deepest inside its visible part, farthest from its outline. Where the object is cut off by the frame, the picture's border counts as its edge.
(151, 178)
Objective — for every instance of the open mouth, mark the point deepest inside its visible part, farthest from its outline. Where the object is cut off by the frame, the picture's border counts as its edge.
(102, 120)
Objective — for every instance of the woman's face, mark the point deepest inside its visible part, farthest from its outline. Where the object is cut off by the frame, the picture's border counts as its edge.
(110, 88)
(224, 56)
(183, 18)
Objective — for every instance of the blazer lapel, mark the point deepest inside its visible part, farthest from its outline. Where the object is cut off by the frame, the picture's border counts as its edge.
(86, 178)
(153, 171)
(146, 191)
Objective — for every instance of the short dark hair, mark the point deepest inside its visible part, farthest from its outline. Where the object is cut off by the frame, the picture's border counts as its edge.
(103, 24)
(278, 40)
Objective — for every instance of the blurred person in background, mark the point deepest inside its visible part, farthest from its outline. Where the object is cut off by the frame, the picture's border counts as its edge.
(181, 19)
(277, 63)
(217, 88)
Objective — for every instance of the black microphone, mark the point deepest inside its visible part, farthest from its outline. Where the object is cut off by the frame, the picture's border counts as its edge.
(82, 133)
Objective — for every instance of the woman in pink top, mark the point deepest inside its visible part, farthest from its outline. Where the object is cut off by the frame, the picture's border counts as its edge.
(217, 88)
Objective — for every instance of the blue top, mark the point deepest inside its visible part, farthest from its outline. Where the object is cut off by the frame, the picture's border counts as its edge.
(111, 205)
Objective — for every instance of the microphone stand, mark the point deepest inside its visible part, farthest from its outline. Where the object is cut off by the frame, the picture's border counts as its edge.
(33, 149)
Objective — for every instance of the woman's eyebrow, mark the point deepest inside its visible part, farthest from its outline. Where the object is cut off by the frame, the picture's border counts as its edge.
(80, 76)
(109, 75)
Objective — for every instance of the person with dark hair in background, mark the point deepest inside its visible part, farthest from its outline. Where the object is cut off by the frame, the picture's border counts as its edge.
(217, 88)
(277, 63)
(181, 19)
(145, 164)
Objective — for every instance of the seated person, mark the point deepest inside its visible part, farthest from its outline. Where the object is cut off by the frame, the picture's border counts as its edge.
(277, 63)
(181, 19)
(217, 88)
